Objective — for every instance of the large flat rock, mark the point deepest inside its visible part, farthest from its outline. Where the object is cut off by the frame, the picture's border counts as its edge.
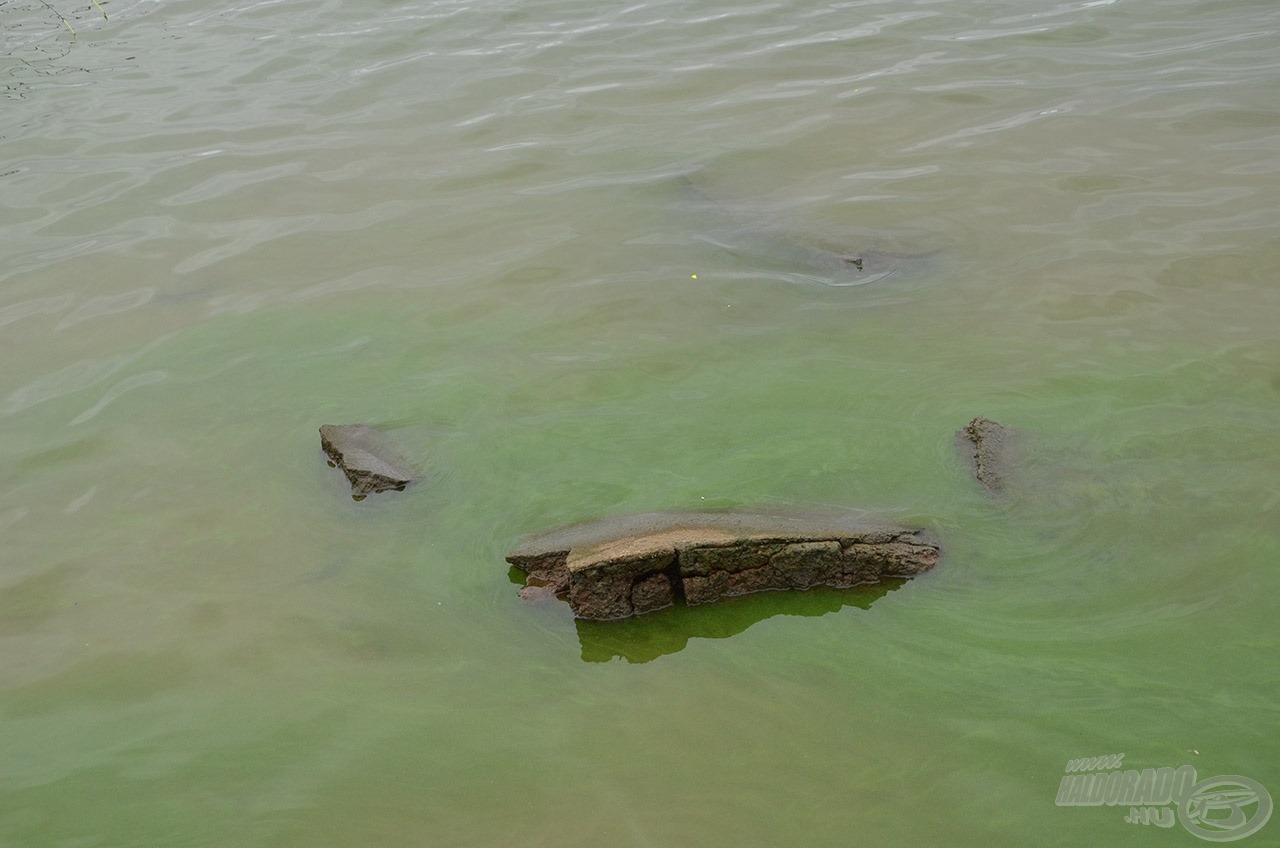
(633, 564)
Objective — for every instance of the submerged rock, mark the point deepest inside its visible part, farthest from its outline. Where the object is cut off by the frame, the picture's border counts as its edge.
(371, 461)
(639, 640)
(985, 445)
(631, 565)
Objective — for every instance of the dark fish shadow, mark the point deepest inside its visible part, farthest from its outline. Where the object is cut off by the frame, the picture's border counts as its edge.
(766, 246)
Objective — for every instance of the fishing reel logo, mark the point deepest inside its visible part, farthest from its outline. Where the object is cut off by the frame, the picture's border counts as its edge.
(1216, 808)
(1219, 809)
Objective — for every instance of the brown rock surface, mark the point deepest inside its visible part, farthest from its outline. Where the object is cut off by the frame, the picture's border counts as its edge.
(630, 565)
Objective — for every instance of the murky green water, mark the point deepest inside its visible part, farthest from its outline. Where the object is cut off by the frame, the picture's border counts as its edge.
(224, 227)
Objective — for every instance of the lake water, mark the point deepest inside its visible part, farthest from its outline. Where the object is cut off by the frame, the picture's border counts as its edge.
(561, 251)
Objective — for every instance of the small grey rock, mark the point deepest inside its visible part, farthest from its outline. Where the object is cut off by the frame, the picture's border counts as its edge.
(985, 445)
(371, 461)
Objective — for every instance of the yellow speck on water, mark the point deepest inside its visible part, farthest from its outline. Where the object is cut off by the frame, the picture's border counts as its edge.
(693, 276)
